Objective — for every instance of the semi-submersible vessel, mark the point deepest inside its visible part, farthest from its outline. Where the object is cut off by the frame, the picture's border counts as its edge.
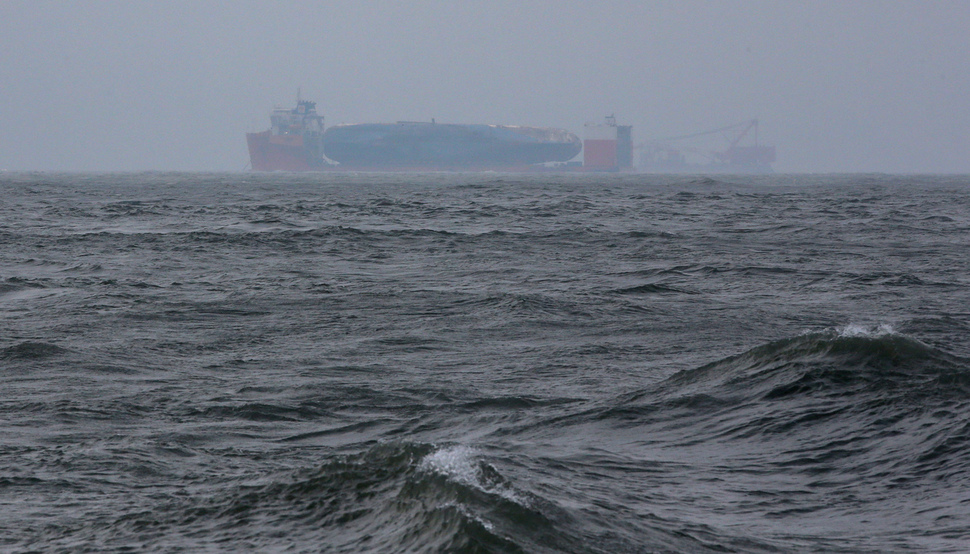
(298, 141)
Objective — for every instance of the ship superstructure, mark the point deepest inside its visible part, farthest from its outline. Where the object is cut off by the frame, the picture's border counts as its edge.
(294, 141)
(608, 146)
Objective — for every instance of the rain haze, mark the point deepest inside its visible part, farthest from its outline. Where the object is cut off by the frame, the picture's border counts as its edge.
(837, 86)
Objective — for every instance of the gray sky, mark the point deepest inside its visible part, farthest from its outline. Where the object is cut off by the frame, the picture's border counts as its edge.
(866, 85)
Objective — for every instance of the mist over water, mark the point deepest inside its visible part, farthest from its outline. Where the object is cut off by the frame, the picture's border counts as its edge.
(484, 362)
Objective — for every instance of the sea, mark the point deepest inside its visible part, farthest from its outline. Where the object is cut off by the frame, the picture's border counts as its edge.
(484, 362)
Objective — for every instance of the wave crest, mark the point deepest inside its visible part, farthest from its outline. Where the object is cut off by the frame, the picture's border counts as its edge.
(848, 361)
(863, 404)
(31, 350)
(397, 496)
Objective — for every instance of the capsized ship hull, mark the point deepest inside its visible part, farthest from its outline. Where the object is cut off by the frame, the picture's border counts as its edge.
(446, 146)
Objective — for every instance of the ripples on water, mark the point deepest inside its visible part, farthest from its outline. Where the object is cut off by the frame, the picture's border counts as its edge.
(484, 363)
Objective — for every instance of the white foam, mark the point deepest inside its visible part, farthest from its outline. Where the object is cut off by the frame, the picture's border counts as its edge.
(456, 462)
(464, 511)
(460, 464)
(857, 330)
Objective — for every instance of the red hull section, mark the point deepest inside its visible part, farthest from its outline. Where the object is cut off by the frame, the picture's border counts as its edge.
(599, 154)
(281, 154)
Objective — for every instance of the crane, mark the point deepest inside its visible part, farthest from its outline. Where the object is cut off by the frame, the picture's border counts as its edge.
(663, 152)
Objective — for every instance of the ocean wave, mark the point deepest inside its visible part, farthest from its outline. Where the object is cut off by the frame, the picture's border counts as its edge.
(31, 350)
(861, 401)
(527, 305)
(461, 464)
(392, 497)
(858, 330)
(260, 411)
(650, 288)
(845, 361)
(274, 231)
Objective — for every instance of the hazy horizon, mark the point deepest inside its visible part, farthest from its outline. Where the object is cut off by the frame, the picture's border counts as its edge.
(868, 86)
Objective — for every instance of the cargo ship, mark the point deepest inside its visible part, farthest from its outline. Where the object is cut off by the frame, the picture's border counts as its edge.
(294, 141)
(298, 141)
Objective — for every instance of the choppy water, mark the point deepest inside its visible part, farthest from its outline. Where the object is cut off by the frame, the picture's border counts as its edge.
(484, 363)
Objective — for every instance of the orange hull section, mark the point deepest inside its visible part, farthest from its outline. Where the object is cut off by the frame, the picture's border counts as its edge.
(266, 154)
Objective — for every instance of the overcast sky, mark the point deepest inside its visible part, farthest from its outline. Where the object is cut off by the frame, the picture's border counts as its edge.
(842, 86)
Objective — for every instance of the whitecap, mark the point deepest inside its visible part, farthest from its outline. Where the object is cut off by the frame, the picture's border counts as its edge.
(460, 464)
(857, 330)
(456, 462)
